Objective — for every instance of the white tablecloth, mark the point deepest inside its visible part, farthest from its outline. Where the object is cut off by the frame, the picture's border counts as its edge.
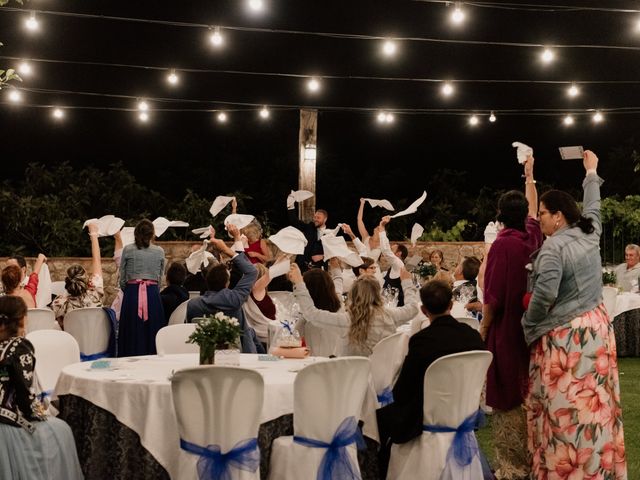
(626, 301)
(138, 393)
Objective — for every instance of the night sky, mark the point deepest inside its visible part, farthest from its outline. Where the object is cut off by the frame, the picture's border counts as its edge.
(356, 155)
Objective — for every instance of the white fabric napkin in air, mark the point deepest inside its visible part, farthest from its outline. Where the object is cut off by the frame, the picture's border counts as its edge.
(413, 208)
(289, 240)
(490, 232)
(337, 247)
(280, 268)
(199, 257)
(127, 236)
(107, 225)
(161, 224)
(297, 196)
(416, 231)
(239, 220)
(43, 295)
(523, 151)
(380, 203)
(203, 231)
(219, 203)
(331, 232)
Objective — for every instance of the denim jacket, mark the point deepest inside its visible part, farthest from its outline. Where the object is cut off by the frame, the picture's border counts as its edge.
(567, 272)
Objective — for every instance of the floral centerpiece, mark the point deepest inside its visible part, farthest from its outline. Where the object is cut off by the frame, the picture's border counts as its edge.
(213, 332)
(609, 277)
(426, 269)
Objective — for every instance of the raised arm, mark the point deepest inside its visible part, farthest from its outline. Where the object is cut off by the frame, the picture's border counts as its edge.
(591, 187)
(96, 263)
(361, 228)
(39, 261)
(530, 190)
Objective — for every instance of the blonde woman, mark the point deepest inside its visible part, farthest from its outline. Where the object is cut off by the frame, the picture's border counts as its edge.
(257, 251)
(365, 320)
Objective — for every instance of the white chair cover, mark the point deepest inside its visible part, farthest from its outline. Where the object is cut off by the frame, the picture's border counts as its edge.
(173, 338)
(91, 327)
(324, 395)
(41, 319)
(217, 405)
(452, 387)
(386, 359)
(54, 350)
(609, 295)
(193, 294)
(57, 288)
(321, 341)
(179, 315)
(472, 322)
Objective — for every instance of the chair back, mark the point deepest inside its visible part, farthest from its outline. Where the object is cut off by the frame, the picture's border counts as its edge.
(54, 350)
(58, 288)
(472, 322)
(91, 327)
(217, 405)
(179, 315)
(327, 392)
(452, 387)
(609, 295)
(41, 319)
(194, 294)
(173, 339)
(386, 359)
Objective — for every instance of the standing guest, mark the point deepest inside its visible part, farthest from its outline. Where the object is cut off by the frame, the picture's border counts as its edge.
(141, 314)
(14, 282)
(573, 406)
(628, 273)
(505, 282)
(313, 255)
(174, 293)
(82, 290)
(34, 445)
(371, 242)
(396, 254)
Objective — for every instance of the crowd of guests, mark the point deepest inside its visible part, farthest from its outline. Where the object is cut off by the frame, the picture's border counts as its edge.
(552, 386)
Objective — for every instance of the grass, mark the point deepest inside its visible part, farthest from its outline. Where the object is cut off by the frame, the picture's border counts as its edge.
(629, 369)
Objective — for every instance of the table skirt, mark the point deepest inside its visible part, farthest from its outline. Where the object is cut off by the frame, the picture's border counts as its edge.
(626, 327)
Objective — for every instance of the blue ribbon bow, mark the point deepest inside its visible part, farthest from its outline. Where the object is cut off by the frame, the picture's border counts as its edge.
(286, 326)
(44, 394)
(214, 465)
(93, 356)
(464, 446)
(336, 464)
(385, 397)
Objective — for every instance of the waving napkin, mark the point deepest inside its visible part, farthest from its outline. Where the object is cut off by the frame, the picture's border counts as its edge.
(161, 224)
(523, 151)
(297, 196)
(279, 268)
(203, 231)
(337, 247)
(219, 203)
(416, 231)
(332, 232)
(380, 203)
(107, 225)
(127, 236)
(43, 295)
(199, 257)
(413, 208)
(239, 220)
(289, 240)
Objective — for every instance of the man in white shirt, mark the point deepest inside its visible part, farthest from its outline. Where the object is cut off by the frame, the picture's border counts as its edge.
(627, 273)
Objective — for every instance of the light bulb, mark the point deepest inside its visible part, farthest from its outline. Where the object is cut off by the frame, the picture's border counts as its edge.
(173, 78)
(25, 69)
(382, 117)
(447, 89)
(457, 16)
(264, 113)
(638, 25)
(143, 116)
(597, 117)
(15, 96)
(222, 117)
(389, 48)
(313, 85)
(32, 23)
(389, 118)
(143, 106)
(492, 117)
(573, 91)
(216, 37)
(256, 5)
(547, 55)
(568, 120)
(58, 113)
(473, 120)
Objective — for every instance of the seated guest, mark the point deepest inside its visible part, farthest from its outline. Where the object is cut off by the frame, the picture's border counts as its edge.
(14, 278)
(220, 298)
(465, 284)
(174, 293)
(259, 308)
(628, 272)
(34, 445)
(258, 251)
(401, 420)
(365, 320)
(82, 290)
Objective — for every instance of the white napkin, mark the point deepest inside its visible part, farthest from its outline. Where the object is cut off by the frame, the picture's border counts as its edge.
(127, 236)
(380, 203)
(239, 220)
(219, 203)
(203, 231)
(199, 257)
(523, 151)
(297, 196)
(333, 232)
(289, 240)
(161, 224)
(490, 232)
(413, 208)
(337, 247)
(280, 268)
(413, 261)
(43, 294)
(416, 231)
(107, 225)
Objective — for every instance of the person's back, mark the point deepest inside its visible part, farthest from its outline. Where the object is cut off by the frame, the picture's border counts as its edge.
(141, 263)
(174, 293)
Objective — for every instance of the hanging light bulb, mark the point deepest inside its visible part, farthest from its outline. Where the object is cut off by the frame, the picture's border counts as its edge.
(568, 120)
(143, 116)
(382, 117)
(573, 91)
(547, 56)
(256, 5)
(389, 48)
(15, 96)
(458, 15)
(474, 120)
(216, 37)
(447, 89)
(264, 112)
(638, 25)
(389, 118)
(492, 117)
(313, 85)
(173, 78)
(25, 69)
(58, 113)
(143, 106)
(597, 117)
(32, 23)
(222, 117)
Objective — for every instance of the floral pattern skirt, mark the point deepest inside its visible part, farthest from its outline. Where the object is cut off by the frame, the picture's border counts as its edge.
(573, 406)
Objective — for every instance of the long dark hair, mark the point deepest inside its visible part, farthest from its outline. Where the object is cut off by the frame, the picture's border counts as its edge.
(322, 289)
(513, 209)
(143, 233)
(12, 311)
(559, 201)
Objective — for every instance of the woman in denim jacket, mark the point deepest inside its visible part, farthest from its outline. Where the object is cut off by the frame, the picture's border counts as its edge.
(573, 406)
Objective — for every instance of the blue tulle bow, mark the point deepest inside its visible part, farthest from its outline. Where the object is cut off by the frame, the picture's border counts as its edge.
(93, 356)
(336, 464)
(385, 397)
(44, 394)
(286, 326)
(214, 465)
(464, 446)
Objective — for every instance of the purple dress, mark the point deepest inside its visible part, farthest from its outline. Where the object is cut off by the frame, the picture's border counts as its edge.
(505, 283)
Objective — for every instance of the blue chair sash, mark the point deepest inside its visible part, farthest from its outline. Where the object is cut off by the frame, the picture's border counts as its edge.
(44, 394)
(464, 446)
(385, 397)
(336, 464)
(94, 356)
(214, 465)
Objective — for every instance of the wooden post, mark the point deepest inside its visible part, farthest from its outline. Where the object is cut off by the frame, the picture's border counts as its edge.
(308, 137)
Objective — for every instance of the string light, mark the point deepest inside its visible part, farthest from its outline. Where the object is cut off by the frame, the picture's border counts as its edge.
(15, 96)
(58, 113)
(547, 56)
(313, 85)
(568, 120)
(474, 120)
(173, 78)
(597, 117)
(457, 16)
(638, 25)
(222, 117)
(447, 89)
(389, 48)
(143, 117)
(264, 113)
(385, 117)
(25, 69)
(390, 118)
(143, 106)
(32, 23)
(216, 38)
(255, 5)
(573, 91)
(492, 117)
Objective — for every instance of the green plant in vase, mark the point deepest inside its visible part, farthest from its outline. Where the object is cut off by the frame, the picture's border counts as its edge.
(609, 277)
(215, 332)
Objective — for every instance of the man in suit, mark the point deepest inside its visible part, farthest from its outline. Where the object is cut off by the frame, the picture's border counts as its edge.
(401, 420)
(313, 253)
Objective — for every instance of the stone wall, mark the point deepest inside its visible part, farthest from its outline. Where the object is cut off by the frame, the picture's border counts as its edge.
(178, 251)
